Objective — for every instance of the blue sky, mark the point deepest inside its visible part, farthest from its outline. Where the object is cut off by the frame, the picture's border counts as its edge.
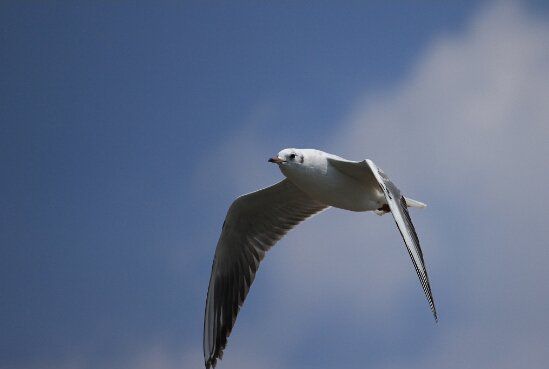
(128, 129)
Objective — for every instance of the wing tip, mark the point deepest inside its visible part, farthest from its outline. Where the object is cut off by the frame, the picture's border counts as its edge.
(432, 305)
(210, 363)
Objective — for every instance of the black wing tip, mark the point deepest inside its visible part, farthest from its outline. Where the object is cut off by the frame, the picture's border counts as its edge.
(210, 363)
(217, 354)
(432, 306)
(431, 300)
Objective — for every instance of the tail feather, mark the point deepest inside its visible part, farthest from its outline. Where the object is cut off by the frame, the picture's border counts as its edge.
(414, 203)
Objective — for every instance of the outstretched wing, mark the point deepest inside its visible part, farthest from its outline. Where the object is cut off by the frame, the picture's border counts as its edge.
(397, 204)
(254, 223)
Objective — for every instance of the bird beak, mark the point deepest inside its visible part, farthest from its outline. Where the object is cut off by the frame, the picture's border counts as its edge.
(276, 160)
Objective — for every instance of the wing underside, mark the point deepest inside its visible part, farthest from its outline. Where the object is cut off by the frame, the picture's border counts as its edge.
(254, 223)
(397, 205)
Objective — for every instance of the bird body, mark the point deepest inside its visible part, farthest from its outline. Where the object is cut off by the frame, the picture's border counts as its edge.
(322, 181)
(314, 181)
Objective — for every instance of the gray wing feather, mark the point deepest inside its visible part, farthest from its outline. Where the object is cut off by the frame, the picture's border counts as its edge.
(397, 204)
(254, 223)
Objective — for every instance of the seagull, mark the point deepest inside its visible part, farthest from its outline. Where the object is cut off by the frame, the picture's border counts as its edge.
(315, 181)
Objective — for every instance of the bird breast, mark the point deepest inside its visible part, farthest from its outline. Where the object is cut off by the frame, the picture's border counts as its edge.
(333, 188)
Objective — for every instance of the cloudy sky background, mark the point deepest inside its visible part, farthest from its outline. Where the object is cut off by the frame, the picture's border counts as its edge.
(128, 130)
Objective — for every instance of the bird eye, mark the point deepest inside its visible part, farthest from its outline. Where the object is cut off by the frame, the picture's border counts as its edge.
(292, 156)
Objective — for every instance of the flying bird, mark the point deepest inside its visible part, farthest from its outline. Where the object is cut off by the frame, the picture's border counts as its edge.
(315, 181)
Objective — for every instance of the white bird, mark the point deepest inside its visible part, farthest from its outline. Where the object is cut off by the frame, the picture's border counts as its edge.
(314, 181)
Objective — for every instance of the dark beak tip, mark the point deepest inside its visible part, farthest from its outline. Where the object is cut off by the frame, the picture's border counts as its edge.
(275, 160)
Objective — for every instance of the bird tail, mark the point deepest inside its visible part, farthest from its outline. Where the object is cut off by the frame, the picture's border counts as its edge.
(414, 203)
